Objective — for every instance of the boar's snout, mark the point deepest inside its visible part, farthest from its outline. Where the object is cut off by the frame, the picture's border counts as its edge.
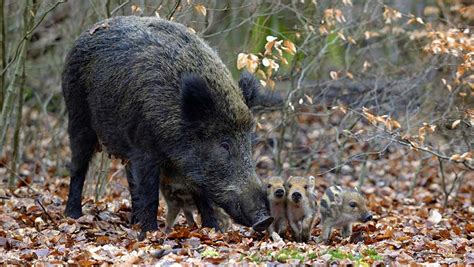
(249, 208)
(261, 219)
(262, 224)
(260, 216)
(367, 217)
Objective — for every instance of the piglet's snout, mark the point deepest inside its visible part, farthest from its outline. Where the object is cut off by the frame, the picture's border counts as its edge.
(279, 193)
(367, 217)
(296, 196)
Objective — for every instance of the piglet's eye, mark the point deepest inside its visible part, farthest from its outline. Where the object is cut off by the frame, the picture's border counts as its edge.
(225, 146)
(306, 187)
(353, 204)
(289, 185)
(269, 185)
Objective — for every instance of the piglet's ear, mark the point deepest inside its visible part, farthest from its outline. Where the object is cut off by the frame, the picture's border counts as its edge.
(312, 181)
(197, 103)
(250, 87)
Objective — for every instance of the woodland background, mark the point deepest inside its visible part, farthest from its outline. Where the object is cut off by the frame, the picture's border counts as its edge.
(376, 94)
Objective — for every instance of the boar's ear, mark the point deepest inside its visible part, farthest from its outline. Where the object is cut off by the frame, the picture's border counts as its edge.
(197, 103)
(250, 87)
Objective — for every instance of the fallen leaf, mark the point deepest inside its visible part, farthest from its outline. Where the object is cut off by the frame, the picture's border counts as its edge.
(434, 217)
(470, 227)
(455, 124)
(43, 252)
(104, 25)
(201, 9)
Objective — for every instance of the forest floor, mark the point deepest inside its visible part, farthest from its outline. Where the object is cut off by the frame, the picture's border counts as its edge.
(405, 230)
(407, 227)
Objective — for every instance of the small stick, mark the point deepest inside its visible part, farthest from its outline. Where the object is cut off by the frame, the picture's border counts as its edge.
(37, 200)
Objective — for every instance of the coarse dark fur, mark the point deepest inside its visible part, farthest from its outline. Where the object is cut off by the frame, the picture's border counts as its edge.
(155, 94)
(340, 208)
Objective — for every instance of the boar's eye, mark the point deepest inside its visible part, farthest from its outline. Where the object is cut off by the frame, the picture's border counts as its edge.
(352, 204)
(225, 146)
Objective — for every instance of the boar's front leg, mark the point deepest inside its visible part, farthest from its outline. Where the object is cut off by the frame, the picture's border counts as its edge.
(205, 208)
(143, 178)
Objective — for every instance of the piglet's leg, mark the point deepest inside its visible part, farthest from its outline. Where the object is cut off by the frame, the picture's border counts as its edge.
(171, 215)
(208, 216)
(188, 213)
(346, 231)
(326, 232)
(306, 228)
(282, 225)
(295, 230)
(272, 228)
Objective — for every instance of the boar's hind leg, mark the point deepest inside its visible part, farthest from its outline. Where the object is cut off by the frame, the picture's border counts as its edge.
(143, 178)
(83, 141)
(133, 192)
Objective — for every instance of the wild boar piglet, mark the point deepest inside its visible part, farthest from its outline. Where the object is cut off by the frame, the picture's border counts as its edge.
(301, 206)
(179, 196)
(276, 193)
(340, 208)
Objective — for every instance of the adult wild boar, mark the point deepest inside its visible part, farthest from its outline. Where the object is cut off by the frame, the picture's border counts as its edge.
(153, 93)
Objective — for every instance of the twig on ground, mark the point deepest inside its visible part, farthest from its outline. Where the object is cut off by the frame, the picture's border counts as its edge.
(36, 198)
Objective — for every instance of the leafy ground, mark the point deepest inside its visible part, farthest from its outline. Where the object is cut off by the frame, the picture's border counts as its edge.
(405, 229)
(417, 70)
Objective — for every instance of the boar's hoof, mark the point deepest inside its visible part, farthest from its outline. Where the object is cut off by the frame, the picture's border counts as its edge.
(147, 227)
(263, 224)
(73, 213)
